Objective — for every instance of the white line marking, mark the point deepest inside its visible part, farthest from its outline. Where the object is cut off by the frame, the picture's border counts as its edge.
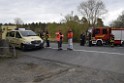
(99, 52)
(94, 52)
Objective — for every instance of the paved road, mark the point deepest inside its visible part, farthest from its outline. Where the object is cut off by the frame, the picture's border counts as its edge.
(103, 58)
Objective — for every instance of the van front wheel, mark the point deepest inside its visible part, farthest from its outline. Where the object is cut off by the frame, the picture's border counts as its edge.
(23, 47)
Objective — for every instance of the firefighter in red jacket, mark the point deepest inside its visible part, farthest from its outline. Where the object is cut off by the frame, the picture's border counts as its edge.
(59, 39)
(70, 39)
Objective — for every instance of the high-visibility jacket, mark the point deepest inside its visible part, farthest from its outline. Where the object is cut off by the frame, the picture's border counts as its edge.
(47, 36)
(58, 36)
(70, 35)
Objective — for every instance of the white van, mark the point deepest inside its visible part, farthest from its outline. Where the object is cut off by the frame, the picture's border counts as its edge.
(24, 39)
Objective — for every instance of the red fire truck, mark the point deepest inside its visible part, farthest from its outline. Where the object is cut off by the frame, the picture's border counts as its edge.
(101, 36)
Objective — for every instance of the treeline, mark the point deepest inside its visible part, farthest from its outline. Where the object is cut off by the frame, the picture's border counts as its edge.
(53, 27)
(76, 25)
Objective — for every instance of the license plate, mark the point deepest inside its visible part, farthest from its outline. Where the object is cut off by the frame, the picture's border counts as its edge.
(37, 45)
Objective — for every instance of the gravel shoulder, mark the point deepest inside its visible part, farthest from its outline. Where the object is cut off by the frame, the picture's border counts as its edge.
(26, 69)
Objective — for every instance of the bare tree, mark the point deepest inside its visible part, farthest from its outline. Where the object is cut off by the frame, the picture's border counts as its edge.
(100, 22)
(91, 10)
(71, 17)
(76, 19)
(18, 21)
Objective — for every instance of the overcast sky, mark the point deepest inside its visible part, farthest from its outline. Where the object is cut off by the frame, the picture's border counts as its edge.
(51, 10)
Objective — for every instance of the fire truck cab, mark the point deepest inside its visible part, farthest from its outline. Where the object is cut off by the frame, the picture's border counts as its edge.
(101, 36)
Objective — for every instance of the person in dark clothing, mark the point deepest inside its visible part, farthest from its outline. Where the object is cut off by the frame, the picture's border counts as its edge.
(82, 39)
(61, 38)
(47, 36)
(89, 39)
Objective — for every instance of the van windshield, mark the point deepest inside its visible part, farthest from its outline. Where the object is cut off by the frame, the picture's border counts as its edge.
(28, 33)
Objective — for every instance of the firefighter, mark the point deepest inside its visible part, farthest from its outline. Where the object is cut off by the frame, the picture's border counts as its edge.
(47, 36)
(112, 40)
(59, 39)
(70, 39)
(82, 39)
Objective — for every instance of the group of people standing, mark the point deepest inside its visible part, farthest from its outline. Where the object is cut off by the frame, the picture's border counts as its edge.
(59, 38)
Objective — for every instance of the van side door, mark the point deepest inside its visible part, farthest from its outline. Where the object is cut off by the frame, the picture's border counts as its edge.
(18, 39)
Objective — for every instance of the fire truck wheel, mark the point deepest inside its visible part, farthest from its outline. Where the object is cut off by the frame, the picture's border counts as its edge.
(99, 43)
(123, 43)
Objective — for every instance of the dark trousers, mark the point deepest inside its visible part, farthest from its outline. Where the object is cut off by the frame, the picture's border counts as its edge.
(59, 44)
(82, 42)
(47, 43)
(90, 43)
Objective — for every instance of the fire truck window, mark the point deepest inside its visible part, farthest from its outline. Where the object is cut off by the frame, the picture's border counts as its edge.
(97, 31)
(104, 31)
